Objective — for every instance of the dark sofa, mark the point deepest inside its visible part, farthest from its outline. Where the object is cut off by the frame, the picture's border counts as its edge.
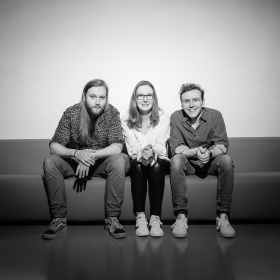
(255, 198)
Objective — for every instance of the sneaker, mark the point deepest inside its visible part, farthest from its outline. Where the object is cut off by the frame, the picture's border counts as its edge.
(114, 227)
(56, 227)
(179, 228)
(224, 227)
(155, 229)
(141, 228)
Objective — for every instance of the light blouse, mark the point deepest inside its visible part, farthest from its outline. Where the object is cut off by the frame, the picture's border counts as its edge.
(157, 136)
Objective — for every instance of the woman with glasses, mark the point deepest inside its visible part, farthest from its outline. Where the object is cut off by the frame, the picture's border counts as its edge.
(146, 128)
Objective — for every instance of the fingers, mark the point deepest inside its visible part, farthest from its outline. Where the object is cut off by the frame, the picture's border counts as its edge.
(82, 170)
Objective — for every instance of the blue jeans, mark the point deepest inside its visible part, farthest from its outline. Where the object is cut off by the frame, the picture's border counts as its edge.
(221, 166)
(113, 168)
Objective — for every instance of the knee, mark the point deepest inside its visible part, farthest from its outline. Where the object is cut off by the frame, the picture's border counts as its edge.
(225, 161)
(178, 162)
(120, 163)
(49, 163)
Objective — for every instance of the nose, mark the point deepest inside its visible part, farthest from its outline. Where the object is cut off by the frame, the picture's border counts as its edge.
(191, 103)
(97, 101)
(145, 98)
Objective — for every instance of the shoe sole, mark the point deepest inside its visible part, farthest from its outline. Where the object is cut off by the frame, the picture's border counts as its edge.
(50, 237)
(227, 235)
(117, 236)
(157, 234)
(142, 234)
(179, 235)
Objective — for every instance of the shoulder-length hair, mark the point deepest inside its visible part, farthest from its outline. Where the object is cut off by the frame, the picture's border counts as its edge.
(88, 126)
(135, 118)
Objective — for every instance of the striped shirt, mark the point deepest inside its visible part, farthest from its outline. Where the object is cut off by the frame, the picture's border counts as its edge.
(210, 132)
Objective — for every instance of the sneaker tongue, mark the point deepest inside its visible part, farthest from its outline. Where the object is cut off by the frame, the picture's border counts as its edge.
(181, 216)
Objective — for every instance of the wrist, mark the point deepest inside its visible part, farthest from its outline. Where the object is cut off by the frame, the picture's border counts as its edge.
(74, 155)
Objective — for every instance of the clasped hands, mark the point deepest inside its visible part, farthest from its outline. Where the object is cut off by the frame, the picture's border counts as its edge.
(203, 154)
(148, 152)
(86, 158)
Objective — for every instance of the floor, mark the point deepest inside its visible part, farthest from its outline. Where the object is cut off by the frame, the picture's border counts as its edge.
(89, 252)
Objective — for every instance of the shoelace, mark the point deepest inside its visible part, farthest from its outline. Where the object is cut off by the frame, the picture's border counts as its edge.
(224, 222)
(155, 222)
(180, 222)
(56, 223)
(114, 223)
(141, 222)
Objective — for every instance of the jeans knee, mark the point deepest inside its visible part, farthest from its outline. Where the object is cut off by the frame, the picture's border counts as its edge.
(119, 163)
(225, 161)
(178, 162)
(49, 163)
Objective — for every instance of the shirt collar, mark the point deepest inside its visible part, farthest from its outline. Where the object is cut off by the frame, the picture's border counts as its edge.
(204, 116)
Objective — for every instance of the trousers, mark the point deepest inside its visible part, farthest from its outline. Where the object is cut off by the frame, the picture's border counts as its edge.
(221, 166)
(113, 169)
(143, 176)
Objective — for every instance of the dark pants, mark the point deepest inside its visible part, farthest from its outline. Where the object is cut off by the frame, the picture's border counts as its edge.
(140, 177)
(112, 168)
(221, 166)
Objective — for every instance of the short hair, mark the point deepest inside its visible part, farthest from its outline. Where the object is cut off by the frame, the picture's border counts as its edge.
(86, 127)
(135, 118)
(188, 87)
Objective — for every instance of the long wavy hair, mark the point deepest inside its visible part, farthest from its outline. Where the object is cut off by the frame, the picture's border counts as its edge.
(87, 125)
(135, 118)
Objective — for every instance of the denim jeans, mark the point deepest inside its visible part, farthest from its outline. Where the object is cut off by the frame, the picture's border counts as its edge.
(113, 168)
(221, 166)
(141, 176)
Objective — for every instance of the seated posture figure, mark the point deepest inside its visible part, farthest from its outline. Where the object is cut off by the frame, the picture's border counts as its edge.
(87, 142)
(199, 144)
(146, 129)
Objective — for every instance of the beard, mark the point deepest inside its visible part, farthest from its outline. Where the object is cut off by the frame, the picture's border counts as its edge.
(95, 111)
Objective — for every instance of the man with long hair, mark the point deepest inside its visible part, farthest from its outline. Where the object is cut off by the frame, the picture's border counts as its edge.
(199, 143)
(87, 142)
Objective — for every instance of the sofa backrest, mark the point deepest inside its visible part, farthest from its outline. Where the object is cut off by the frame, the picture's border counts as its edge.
(250, 154)
(255, 154)
(23, 156)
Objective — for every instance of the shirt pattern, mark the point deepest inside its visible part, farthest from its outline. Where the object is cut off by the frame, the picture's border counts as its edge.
(211, 130)
(109, 132)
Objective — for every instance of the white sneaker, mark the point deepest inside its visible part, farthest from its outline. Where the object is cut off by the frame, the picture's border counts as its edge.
(179, 228)
(224, 227)
(141, 226)
(155, 229)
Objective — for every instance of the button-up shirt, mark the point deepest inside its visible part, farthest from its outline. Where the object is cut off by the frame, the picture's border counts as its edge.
(109, 129)
(210, 132)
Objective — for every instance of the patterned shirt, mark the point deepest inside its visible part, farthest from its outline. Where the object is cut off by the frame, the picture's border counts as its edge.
(210, 132)
(109, 131)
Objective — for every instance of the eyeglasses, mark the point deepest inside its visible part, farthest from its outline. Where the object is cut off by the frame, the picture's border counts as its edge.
(142, 96)
(194, 101)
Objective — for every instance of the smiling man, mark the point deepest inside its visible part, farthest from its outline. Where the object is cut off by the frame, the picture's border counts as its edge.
(199, 143)
(87, 142)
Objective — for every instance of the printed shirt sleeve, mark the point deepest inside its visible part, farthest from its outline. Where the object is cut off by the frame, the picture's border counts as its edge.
(115, 135)
(62, 132)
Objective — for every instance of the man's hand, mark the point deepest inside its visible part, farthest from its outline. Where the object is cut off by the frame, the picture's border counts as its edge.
(87, 156)
(82, 170)
(148, 152)
(203, 155)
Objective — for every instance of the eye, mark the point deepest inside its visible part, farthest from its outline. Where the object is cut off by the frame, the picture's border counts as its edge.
(102, 97)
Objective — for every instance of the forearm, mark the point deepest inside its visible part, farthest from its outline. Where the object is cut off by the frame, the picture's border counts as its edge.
(108, 151)
(185, 150)
(60, 150)
(218, 150)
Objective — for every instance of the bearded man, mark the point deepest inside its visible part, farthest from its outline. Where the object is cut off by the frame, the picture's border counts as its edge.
(87, 143)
